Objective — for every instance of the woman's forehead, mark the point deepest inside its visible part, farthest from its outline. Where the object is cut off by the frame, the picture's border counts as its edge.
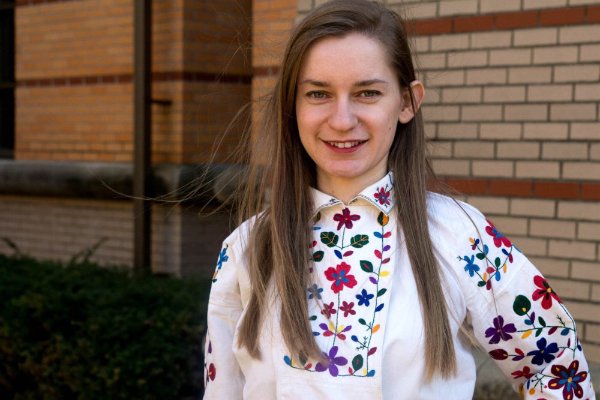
(354, 57)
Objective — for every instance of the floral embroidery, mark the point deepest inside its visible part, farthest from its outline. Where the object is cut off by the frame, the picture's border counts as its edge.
(210, 371)
(328, 310)
(544, 353)
(493, 267)
(223, 258)
(314, 292)
(500, 331)
(569, 379)
(544, 292)
(347, 308)
(499, 239)
(345, 219)
(546, 349)
(383, 196)
(364, 298)
(333, 363)
(340, 277)
(525, 373)
(333, 309)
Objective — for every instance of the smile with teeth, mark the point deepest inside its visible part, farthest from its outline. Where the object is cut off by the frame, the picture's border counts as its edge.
(346, 145)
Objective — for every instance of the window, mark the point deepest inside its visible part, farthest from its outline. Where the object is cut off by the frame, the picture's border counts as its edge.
(7, 78)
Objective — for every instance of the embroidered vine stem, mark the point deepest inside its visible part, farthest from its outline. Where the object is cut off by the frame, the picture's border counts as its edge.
(376, 299)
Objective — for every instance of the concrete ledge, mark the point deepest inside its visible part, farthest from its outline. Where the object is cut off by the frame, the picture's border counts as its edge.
(112, 181)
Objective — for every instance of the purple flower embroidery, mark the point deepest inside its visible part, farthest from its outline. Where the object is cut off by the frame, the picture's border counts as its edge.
(333, 362)
(345, 219)
(500, 331)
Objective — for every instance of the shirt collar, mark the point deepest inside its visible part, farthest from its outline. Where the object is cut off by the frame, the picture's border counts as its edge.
(379, 194)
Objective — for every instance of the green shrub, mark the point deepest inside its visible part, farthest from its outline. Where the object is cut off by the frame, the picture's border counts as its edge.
(84, 332)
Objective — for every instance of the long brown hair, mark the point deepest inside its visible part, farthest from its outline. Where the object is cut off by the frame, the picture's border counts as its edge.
(277, 247)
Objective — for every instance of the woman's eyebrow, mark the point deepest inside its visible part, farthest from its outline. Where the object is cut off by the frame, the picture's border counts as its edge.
(313, 82)
(370, 82)
(366, 82)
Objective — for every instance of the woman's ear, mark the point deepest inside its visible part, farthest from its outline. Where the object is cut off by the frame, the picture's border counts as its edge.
(407, 113)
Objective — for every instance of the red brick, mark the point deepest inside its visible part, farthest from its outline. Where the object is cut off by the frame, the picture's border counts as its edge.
(562, 16)
(469, 186)
(476, 23)
(430, 26)
(501, 187)
(593, 14)
(513, 20)
(590, 191)
(556, 190)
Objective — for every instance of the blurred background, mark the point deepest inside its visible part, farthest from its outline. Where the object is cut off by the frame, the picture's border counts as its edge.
(98, 96)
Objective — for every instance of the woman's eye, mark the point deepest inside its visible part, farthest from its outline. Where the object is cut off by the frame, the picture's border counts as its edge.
(316, 95)
(370, 93)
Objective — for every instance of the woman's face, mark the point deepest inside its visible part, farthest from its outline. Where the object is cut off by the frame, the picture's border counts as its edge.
(348, 104)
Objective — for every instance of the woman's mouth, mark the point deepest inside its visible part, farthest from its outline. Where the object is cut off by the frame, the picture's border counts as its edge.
(347, 144)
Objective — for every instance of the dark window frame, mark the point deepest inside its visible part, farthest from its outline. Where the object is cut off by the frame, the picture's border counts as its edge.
(7, 79)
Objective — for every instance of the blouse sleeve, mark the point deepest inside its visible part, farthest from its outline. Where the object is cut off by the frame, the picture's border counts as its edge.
(222, 375)
(518, 319)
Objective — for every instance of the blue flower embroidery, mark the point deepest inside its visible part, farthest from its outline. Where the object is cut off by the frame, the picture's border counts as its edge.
(471, 267)
(544, 353)
(364, 298)
(314, 291)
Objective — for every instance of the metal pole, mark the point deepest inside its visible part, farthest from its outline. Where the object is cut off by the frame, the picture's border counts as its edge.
(142, 171)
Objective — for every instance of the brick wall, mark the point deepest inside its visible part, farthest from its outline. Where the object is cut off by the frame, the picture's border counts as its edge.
(74, 66)
(74, 102)
(512, 113)
(58, 229)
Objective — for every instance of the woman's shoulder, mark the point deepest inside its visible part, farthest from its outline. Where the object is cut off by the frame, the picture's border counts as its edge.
(238, 238)
(450, 213)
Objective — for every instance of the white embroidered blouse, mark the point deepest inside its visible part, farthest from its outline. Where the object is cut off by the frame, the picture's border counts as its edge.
(366, 317)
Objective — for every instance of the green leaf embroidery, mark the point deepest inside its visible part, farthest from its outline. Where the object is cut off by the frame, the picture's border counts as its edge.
(357, 362)
(522, 305)
(329, 239)
(542, 321)
(362, 321)
(480, 256)
(359, 241)
(497, 262)
(366, 266)
(318, 255)
(381, 292)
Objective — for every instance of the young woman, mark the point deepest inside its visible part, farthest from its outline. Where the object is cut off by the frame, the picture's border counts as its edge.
(353, 281)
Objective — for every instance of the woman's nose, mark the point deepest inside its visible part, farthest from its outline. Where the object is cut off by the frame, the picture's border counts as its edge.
(342, 117)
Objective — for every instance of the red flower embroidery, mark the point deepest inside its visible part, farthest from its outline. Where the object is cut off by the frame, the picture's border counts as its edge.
(345, 218)
(383, 196)
(544, 292)
(340, 277)
(347, 308)
(328, 310)
(499, 238)
(524, 373)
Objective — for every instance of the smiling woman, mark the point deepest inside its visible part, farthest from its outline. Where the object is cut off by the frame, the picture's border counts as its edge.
(348, 104)
(354, 281)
